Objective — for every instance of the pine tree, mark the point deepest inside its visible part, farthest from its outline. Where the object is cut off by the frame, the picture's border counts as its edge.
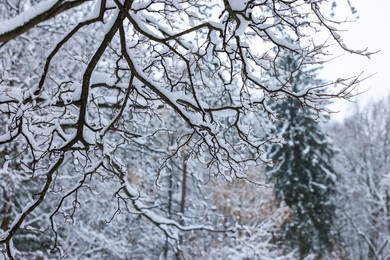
(302, 173)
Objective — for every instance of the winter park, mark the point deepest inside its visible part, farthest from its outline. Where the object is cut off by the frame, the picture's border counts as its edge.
(200, 129)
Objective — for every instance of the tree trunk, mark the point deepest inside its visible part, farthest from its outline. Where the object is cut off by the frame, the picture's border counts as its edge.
(179, 253)
(6, 212)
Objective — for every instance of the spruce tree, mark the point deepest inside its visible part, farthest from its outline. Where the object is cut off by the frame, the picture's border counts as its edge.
(302, 172)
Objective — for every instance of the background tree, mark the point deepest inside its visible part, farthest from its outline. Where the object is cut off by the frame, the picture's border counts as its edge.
(363, 160)
(86, 89)
(302, 171)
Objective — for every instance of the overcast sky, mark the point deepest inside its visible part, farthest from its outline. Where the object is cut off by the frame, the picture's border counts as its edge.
(372, 30)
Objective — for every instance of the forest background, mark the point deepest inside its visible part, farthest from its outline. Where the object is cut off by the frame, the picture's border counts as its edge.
(188, 130)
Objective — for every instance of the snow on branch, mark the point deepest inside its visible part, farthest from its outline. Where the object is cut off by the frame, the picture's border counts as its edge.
(147, 83)
(35, 15)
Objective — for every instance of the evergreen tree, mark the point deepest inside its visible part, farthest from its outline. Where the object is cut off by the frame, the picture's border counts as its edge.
(302, 174)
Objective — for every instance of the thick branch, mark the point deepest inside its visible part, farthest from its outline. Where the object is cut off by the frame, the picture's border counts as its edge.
(44, 15)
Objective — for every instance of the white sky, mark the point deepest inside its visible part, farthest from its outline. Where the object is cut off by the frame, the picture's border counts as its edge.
(371, 30)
